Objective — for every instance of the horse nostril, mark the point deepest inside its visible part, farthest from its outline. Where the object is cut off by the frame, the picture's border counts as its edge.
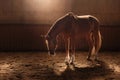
(51, 53)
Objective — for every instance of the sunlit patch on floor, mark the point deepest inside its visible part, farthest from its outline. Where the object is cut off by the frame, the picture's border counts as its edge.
(59, 68)
(5, 68)
(81, 65)
(115, 67)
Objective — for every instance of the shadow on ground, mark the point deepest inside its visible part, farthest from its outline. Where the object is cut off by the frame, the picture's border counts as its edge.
(46, 72)
(86, 73)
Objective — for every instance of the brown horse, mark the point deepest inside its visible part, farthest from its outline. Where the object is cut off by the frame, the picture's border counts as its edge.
(72, 26)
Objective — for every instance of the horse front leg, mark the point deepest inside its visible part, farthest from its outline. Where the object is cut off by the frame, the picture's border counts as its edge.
(91, 44)
(72, 51)
(67, 47)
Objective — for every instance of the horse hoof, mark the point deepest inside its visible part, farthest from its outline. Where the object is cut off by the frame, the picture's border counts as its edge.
(88, 59)
(71, 63)
(97, 60)
(67, 63)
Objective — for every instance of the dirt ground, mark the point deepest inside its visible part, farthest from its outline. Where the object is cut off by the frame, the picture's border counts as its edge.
(40, 66)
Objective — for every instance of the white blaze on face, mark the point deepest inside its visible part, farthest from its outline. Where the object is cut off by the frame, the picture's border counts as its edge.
(47, 44)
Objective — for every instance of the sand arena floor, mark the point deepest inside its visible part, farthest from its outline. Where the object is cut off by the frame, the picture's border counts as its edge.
(40, 66)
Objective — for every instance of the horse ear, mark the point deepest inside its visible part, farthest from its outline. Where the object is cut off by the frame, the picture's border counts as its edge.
(43, 36)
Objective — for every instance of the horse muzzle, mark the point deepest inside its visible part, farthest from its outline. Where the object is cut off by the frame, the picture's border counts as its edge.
(51, 52)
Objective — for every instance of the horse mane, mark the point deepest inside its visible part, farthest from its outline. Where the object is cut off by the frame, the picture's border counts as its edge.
(69, 14)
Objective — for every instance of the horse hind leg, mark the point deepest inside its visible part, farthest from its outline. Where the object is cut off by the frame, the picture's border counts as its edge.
(98, 42)
(91, 43)
(72, 52)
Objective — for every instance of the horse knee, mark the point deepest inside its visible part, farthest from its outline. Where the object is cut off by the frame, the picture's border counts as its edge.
(67, 59)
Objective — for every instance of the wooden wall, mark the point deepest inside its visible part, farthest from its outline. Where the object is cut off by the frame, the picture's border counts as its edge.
(22, 37)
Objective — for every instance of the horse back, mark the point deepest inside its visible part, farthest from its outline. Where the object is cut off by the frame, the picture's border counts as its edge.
(86, 22)
(83, 25)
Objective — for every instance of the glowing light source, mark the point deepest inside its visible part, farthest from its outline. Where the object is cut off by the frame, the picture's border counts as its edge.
(45, 11)
(46, 4)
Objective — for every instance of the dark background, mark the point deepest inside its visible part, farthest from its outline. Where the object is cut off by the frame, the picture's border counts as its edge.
(22, 22)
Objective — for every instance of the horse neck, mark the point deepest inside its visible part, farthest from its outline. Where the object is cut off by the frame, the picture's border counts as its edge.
(56, 29)
(53, 33)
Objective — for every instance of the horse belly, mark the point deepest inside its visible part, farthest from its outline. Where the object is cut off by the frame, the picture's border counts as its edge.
(82, 31)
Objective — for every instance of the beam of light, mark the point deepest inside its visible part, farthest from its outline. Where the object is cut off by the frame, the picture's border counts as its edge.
(46, 5)
(45, 11)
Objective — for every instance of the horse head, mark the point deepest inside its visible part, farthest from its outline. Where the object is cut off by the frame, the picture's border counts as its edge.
(51, 45)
